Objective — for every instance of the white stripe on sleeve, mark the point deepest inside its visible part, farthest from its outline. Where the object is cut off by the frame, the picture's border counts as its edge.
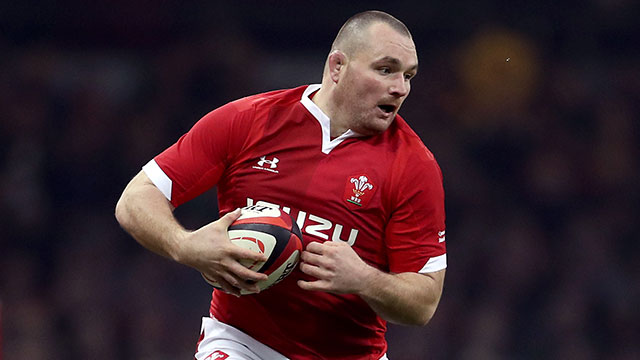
(435, 264)
(158, 178)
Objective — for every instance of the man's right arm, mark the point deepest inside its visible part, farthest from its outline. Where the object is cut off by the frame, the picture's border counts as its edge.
(145, 213)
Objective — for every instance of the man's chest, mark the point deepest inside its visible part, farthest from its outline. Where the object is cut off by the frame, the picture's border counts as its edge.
(340, 196)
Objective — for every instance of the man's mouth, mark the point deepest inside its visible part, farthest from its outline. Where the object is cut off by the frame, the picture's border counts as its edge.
(386, 108)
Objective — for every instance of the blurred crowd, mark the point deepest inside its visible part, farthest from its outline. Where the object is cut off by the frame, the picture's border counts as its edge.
(531, 110)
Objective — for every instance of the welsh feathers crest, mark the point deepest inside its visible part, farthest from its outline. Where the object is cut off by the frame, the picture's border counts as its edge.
(359, 190)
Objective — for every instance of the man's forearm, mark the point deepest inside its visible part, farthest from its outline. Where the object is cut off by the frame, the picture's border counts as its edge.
(406, 298)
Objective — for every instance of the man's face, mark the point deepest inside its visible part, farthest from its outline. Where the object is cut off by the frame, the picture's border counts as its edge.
(376, 80)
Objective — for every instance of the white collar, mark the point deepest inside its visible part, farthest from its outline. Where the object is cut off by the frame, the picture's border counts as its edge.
(323, 119)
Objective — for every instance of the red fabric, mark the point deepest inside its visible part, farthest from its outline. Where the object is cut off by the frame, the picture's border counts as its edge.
(393, 223)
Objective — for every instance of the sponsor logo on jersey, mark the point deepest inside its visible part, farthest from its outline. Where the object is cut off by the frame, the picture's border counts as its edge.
(359, 190)
(314, 225)
(267, 164)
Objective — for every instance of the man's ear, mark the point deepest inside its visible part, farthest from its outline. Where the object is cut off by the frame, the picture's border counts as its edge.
(337, 62)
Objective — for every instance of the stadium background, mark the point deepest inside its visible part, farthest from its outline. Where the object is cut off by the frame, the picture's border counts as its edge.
(531, 108)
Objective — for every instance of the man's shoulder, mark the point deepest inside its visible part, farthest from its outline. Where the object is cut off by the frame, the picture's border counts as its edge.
(407, 140)
(412, 162)
(269, 98)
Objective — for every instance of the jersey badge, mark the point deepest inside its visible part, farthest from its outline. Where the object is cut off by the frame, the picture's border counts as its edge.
(267, 164)
(359, 190)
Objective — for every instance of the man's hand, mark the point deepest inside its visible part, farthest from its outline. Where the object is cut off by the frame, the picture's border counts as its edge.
(336, 266)
(145, 213)
(209, 251)
(406, 298)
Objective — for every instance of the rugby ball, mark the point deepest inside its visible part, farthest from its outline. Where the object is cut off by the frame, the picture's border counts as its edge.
(269, 231)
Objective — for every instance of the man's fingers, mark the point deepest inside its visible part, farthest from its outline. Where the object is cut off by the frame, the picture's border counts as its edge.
(311, 258)
(318, 285)
(223, 284)
(232, 284)
(230, 217)
(315, 247)
(231, 279)
(239, 283)
(244, 273)
(240, 253)
(315, 271)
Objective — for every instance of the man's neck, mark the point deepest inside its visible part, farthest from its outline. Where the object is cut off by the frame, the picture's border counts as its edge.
(322, 99)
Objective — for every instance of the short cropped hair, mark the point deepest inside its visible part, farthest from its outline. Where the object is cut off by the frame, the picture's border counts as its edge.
(349, 37)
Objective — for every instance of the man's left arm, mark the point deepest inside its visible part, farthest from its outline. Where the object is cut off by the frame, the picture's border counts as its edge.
(405, 298)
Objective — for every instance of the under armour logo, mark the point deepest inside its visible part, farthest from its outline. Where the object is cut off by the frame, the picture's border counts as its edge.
(272, 163)
(268, 165)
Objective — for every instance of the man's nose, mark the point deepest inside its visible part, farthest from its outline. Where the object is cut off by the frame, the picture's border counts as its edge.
(400, 87)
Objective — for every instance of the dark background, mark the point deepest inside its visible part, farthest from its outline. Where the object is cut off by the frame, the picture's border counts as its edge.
(531, 108)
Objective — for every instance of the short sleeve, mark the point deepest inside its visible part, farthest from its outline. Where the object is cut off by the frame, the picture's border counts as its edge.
(415, 234)
(195, 163)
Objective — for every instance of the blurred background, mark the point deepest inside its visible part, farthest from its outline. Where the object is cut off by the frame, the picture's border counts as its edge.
(531, 108)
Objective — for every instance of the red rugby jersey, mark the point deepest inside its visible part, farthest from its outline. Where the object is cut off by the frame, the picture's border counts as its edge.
(383, 194)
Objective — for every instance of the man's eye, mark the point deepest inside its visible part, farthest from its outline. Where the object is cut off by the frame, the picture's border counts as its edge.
(385, 70)
(408, 76)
